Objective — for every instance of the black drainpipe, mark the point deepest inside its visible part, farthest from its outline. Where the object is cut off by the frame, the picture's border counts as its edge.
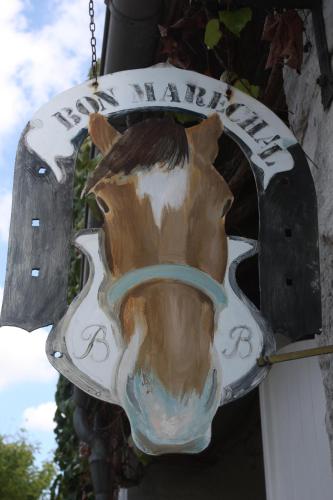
(129, 42)
(132, 34)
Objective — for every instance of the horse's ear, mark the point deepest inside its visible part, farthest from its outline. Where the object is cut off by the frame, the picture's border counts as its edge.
(204, 137)
(102, 134)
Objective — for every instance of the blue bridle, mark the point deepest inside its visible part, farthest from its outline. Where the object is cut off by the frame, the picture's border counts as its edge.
(177, 272)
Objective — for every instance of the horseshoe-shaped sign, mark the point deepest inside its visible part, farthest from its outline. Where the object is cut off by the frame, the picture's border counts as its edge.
(86, 343)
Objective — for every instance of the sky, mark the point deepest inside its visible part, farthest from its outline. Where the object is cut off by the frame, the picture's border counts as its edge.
(45, 49)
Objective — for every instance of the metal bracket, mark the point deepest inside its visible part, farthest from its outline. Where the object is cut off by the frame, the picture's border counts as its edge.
(291, 356)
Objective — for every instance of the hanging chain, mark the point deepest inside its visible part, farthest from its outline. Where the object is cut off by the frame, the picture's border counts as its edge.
(92, 28)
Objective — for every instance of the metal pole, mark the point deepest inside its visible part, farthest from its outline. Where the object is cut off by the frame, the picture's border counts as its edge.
(291, 356)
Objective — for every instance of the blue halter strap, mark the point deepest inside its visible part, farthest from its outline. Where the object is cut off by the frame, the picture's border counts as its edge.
(177, 272)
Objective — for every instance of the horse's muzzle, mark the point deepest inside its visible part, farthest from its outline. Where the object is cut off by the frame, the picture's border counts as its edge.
(163, 423)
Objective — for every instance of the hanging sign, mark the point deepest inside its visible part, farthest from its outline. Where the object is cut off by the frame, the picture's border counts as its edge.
(161, 326)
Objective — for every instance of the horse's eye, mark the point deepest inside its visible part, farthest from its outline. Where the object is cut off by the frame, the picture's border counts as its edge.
(102, 205)
(226, 207)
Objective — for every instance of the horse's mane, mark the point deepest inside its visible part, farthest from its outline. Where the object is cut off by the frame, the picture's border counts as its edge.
(143, 145)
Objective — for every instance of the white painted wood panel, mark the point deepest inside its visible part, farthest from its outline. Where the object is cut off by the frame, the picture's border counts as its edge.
(122, 495)
(296, 447)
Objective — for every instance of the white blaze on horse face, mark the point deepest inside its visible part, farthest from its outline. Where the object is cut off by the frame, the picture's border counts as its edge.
(164, 188)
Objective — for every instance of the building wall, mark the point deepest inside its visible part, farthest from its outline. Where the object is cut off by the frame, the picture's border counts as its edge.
(295, 442)
(314, 129)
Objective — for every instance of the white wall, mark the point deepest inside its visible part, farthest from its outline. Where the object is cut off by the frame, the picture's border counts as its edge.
(314, 129)
(295, 441)
(122, 495)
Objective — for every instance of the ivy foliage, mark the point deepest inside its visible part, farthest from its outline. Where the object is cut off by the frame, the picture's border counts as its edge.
(67, 453)
(240, 83)
(245, 86)
(210, 40)
(84, 165)
(73, 472)
(20, 478)
(234, 20)
(213, 33)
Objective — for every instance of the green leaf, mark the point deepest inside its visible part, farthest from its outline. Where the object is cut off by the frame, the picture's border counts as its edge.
(212, 33)
(235, 20)
(246, 87)
(185, 118)
(20, 477)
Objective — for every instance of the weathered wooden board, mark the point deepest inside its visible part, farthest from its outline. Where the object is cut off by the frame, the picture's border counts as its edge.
(289, 257)
(38, 250)
(290, 294)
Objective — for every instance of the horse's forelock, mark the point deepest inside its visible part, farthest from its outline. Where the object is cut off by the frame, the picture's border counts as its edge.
(143, 145)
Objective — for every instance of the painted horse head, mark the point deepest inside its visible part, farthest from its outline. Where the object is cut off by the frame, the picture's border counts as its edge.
(164, 203)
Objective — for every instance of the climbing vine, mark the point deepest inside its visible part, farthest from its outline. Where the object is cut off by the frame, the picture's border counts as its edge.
(73, 476)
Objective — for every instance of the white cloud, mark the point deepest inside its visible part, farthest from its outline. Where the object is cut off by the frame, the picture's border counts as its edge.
(5, 209)
(40, 418)
(23, 358)
(36, 64)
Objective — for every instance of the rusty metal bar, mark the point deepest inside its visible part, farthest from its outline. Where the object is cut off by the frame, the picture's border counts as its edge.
(291, 356)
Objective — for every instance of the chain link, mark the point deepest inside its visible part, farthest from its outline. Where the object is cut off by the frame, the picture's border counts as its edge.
(92, 28)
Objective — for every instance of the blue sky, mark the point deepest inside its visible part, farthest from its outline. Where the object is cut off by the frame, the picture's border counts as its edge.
(45, 50)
